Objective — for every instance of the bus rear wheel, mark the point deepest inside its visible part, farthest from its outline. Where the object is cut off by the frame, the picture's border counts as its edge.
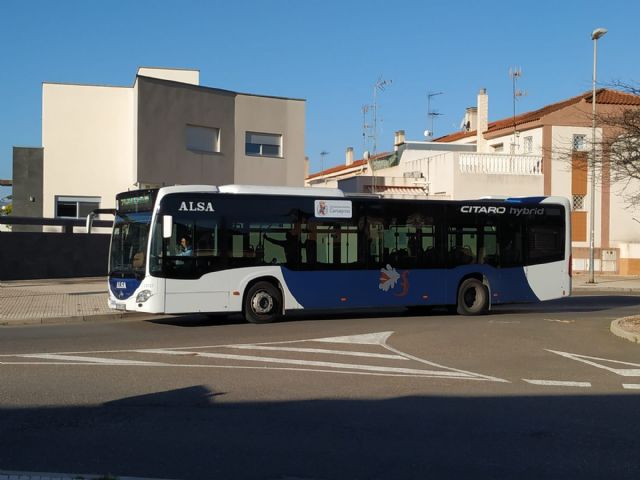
(263, 303)
(473, 297)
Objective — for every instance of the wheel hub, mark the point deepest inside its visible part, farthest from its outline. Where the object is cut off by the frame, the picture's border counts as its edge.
(262, 303)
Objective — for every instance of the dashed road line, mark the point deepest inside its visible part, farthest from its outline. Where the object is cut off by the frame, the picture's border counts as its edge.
(631, 386)
(558, 383)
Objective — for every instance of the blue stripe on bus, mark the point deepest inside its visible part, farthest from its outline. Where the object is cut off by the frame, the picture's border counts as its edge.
(364, 288)
(123, 288)
(525, 199)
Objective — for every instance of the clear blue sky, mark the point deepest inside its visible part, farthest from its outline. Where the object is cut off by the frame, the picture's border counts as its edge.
(328, 52)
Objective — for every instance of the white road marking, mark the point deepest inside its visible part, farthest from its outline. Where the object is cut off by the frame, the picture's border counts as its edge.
(379, 338)
(558, 383)
(251, 358)
(426, 362)
(624, 372)
(631, 386)
(318, 350)
(91, 360)
(376, 339)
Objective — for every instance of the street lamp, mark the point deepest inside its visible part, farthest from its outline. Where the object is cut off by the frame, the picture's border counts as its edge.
(595, 35)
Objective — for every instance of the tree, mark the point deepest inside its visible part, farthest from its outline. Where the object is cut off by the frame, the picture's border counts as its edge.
(620, 145)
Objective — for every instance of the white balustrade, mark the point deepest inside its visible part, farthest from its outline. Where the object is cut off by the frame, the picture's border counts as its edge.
(499, 164)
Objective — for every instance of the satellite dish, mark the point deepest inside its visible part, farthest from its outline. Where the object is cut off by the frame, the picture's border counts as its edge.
(366, 155)
(427, 133)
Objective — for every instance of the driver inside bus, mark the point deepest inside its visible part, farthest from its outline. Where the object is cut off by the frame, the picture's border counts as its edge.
(184, 248)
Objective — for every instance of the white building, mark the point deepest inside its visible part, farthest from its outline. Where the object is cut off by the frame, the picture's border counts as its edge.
(543, 152)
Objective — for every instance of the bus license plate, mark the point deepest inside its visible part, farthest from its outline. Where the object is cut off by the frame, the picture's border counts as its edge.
(121, 306)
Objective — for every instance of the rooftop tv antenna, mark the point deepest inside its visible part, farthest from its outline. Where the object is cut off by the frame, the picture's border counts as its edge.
(379, 86)
(323, 154)
(515, 73)
(431, 114)
(366, 127)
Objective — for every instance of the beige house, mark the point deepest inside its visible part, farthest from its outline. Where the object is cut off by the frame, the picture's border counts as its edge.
(165, 129)
(544, 152)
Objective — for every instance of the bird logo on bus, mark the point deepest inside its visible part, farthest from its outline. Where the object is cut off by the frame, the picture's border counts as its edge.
(390, 278)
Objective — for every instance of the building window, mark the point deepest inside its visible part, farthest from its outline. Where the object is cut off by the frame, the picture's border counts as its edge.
(528, 144)
(578, 202)
(75, 207)
(580, 142)
(263, 144)
(203, 139)
(498, 147)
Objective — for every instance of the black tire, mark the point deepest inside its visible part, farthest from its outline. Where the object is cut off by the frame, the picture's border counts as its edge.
(262, 303)
(473, 298)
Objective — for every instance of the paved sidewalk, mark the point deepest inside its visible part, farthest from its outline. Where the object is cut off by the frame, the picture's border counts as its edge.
(606, 283)
(65, 300)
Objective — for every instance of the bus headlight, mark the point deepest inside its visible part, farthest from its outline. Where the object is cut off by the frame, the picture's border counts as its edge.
(143, 296)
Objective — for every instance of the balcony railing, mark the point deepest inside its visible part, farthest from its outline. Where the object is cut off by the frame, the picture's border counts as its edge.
(499, 164)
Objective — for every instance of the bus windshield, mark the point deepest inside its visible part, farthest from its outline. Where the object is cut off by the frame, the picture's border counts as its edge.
(129, 244)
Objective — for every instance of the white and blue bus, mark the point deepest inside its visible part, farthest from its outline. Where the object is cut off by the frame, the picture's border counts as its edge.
(263, 251)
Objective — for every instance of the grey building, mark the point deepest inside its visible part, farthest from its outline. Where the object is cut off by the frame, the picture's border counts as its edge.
(165, 129)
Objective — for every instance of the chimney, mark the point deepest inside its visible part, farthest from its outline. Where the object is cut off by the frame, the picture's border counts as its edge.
(470, 119)
(349, 156)
(483, 120)
(306, 167)
(398, 139)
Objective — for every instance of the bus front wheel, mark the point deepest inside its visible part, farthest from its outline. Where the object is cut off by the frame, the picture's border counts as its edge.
(263, 303)
(473, 297)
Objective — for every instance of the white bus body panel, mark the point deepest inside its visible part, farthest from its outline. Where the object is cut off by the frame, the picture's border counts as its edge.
(549, 280)
(155, 304)
(214, 292)
(552, 280)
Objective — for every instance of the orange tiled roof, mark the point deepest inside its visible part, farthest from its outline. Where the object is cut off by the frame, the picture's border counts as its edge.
(603, 97)
(356, 163)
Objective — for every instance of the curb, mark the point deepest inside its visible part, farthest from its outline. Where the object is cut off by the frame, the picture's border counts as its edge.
(603, 289)
(78, 319)
(617, 330)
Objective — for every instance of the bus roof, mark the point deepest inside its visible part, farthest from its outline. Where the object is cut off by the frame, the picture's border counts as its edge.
(267, 190)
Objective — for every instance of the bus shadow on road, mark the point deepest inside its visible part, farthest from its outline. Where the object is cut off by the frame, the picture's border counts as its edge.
(193, 433)
(574, 304)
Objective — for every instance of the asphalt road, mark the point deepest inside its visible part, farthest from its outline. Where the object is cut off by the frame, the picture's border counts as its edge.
(542, 391)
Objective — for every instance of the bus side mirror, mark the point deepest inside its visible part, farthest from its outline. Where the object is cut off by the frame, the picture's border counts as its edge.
(167, 226)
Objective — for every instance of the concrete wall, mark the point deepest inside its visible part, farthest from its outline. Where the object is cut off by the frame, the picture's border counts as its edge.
(87, 135)
(27, 185)
(52, 255)
(164, 111)
(183, 75)
(477, 185)
(277, 116)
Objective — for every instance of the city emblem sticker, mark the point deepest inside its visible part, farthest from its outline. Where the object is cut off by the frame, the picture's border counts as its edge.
(394, 282)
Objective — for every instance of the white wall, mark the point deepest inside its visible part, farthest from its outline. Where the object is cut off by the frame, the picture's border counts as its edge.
(436, 167)
(625, 219)
(562, 145)
(469, 186)
(442, 173)
(507, 140)
(173, 74)
(87, 135)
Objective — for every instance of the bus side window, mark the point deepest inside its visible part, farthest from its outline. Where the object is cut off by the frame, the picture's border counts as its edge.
(510, 243)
